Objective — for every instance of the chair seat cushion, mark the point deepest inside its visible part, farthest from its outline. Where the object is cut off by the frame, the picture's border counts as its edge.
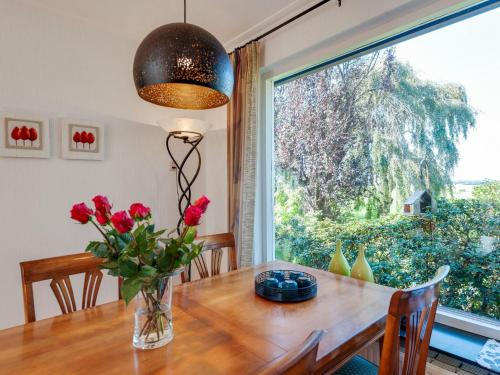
(358, 366)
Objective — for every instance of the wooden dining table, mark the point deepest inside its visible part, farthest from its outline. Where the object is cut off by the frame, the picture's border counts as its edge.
(220, 327)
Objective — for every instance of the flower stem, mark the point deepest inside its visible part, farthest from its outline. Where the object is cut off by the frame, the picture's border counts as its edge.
(104, 235)
(154, 323)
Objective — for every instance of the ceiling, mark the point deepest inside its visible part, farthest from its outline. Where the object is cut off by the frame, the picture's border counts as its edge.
(232, 21)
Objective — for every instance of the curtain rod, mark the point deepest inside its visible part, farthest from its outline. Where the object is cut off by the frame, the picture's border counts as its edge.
(303, 13)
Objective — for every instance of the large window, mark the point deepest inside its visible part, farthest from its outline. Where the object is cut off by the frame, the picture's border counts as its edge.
(358, 143)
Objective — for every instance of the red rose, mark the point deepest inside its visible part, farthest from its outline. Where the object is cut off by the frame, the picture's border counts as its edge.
(192, 216)
(102, 218)
(102, 209)
(202, 203)
(101, 203)
(80, 212)
(122, 222)
(139, 212)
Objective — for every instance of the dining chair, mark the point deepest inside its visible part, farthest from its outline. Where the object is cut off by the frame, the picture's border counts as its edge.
(58, 269)
(215, 243)
(418, 307)
(300, 360)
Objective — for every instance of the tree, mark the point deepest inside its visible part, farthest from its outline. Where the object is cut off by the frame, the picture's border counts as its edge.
(487, 192)
(363, 130)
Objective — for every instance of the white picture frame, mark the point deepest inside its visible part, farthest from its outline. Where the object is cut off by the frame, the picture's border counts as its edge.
(24, 136)
(81, 140)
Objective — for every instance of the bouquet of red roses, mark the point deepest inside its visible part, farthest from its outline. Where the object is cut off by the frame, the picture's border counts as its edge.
(133, 249)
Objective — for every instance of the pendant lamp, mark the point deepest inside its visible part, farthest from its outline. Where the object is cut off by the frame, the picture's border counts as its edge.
(181, 65)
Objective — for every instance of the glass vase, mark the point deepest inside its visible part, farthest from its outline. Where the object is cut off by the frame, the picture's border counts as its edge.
(153, 326)
(339, 264)
(361, 269)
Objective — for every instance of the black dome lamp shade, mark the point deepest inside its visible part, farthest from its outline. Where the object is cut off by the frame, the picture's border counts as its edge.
(180, 65)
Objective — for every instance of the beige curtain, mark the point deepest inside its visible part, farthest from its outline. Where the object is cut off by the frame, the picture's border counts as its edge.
(242, 147)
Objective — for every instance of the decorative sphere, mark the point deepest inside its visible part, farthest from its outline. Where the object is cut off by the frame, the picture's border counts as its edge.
(294, 275)
(280, 275)
(288, 284)
(271, 282)
(303, 282)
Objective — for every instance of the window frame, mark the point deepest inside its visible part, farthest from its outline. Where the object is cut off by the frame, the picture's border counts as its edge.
(264, 226)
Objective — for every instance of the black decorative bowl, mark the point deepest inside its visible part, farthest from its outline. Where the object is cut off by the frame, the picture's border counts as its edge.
(307, 287)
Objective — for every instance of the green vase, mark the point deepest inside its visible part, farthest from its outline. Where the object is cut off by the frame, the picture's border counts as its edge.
(339, 264)
(361, 269)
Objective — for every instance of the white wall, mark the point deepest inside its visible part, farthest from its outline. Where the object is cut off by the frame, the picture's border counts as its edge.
(213, 178)
(56, 66)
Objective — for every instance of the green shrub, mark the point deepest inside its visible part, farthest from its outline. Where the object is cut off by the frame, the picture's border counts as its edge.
(403, 251)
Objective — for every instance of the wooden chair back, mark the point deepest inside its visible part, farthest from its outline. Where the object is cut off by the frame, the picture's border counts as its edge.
(300, 360)
(215, 243)
(58, 269)
(418, 306)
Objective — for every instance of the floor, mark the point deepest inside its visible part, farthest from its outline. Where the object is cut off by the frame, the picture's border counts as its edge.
(450, 365)
(438, 363)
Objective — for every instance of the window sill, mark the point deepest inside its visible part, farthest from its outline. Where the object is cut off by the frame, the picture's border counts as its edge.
(468, 322)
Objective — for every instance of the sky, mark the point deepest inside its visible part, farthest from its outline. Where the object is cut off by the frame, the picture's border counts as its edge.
(467, 52)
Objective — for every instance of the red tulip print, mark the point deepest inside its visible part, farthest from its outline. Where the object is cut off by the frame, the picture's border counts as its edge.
(15, 134)
(84, 137)
(33, 135)
(90, 139)
(25, 134)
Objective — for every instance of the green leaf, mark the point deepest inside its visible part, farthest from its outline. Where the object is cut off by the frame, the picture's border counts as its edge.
(163, 261)
(138, 231)
(101, 250)
(141, 241)
(131, 250)
(147, 257)
(128, 268)
(190, 235)
(159, 233)
(196, 248)
(109, 265)
(165, 241)
(92, 245)
(130, 288)
(148, 271)
(122, 241)
(114, 272)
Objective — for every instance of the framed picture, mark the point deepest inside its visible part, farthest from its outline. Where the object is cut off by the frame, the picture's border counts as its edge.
(82, 140)
(24, 136)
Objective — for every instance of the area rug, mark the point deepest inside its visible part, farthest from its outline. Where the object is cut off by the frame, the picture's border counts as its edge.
(489, 356)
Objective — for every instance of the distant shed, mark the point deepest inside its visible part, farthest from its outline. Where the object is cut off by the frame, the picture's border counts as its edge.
(420, 202)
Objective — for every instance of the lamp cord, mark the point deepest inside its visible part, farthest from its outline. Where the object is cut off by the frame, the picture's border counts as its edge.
(184, 11)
